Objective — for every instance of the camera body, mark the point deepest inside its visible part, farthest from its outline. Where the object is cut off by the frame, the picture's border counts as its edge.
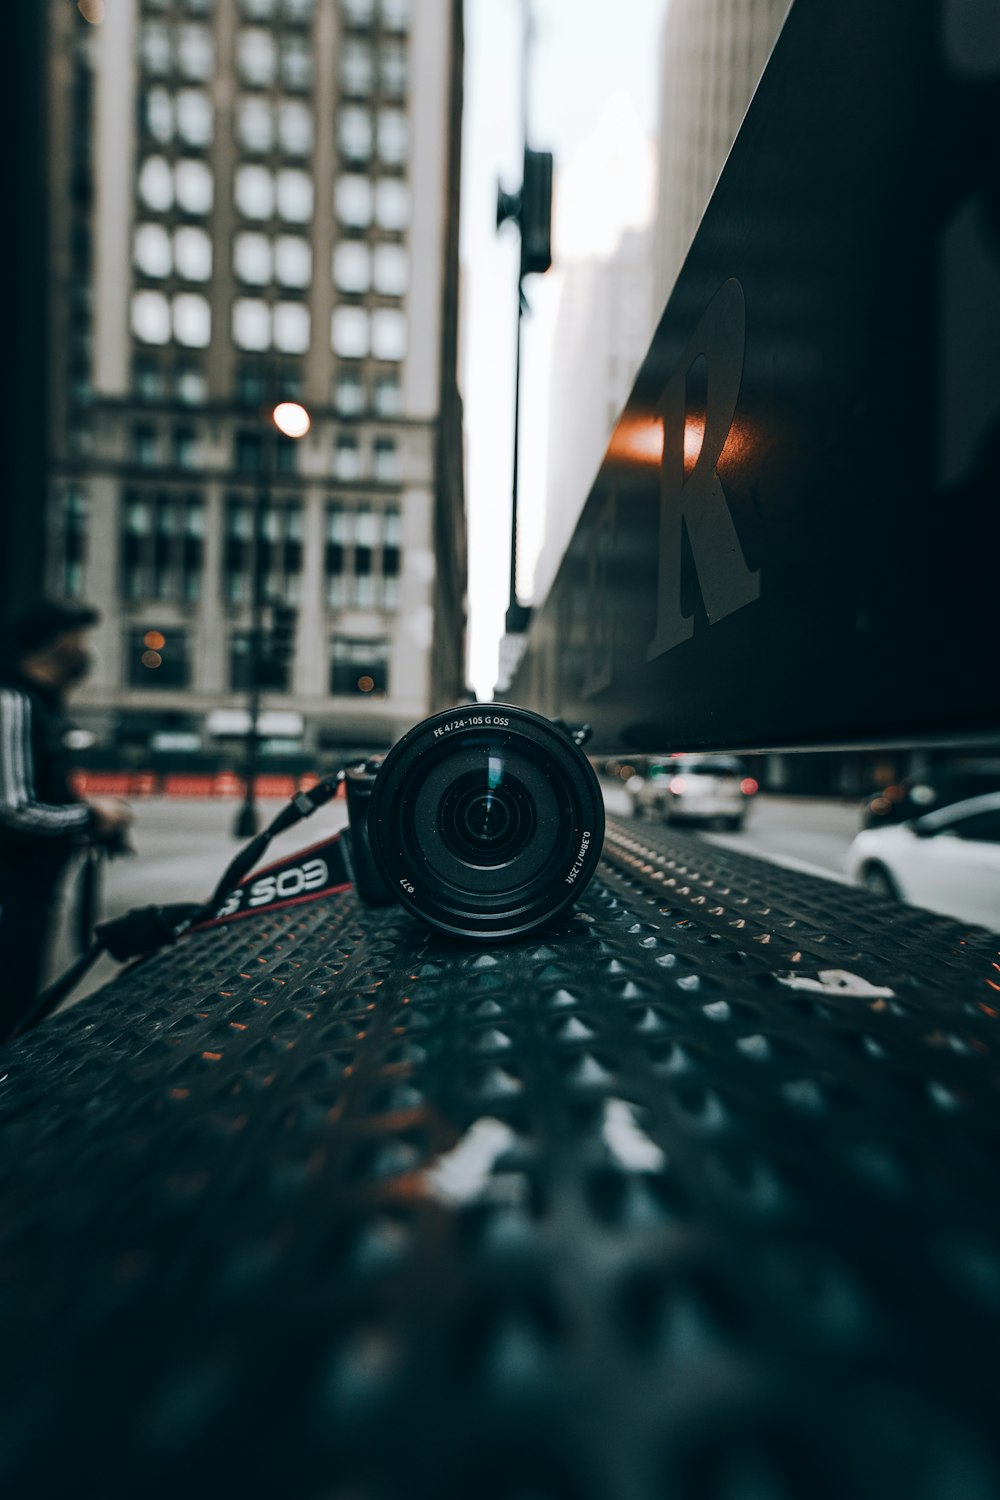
(486, 821)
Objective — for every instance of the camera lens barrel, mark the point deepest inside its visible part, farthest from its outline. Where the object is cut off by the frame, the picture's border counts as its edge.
(486, 821)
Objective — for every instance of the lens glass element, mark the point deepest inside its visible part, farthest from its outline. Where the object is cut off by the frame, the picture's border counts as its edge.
(486, 822)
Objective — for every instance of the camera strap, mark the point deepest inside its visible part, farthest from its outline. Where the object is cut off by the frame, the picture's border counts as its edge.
(323, 869)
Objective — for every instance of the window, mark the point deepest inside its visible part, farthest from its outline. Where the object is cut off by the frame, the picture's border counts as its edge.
(392, 270)
(393, 70)
(359, 666)
(291, 327)
(361, 556)
(298, 11)
(195, 52)
(348, 391)
(346, 458)
(251, 324)
(151, 317)
(184, 447)
(349, 332)
(388, 333)
(385, 461)
(254, 125)
(393, 137)
(248, 450)
(159, 114)
(147, 378)
(158, 659)
(156, 184)
(983, 827)
(73, 512)
(295, 196)
(192, 254)
(352, 271)
(292, 261)
(154, 48)
(258, 10)
(358, 12)
(357, 71)
(161, 546)
(353, 201)
(195, 121)
(354, 134)
(252, 259)
(395, 14)
(253, 190)
(256, 56)
(192, 320)
(279, 536)
(151, 250)
(193, 187)
(145, 446)
(190, 383)
(296, 63)
(295, 128)
(387, 394)
(392, 203)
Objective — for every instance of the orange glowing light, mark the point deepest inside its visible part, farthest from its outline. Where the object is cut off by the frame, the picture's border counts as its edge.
(749, 787)
(92, 11)
(212, 1056)
(154, 640)
(366, 683)
(694, 437)
(638, 440)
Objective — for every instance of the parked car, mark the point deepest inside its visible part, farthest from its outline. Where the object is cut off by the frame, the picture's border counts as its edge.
(694, 788)
(927, 791)
(947, 860)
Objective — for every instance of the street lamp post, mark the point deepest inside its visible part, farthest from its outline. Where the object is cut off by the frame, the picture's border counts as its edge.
(291, 420)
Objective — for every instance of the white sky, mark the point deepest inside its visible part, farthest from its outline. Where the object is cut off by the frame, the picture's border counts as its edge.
(586, 53)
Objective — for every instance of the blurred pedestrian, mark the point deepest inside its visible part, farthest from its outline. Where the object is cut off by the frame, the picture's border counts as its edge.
(44, 654)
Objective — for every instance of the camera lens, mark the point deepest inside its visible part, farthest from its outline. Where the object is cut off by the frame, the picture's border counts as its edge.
(486, 822)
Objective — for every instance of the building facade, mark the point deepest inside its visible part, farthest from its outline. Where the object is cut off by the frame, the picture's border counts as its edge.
(255, 200)
(712, 55)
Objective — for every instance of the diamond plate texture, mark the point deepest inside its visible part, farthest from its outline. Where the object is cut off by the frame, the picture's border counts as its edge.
(693, 1195)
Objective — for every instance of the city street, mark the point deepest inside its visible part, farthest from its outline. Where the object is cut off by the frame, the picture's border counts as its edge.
(182, 846)
(811, 834)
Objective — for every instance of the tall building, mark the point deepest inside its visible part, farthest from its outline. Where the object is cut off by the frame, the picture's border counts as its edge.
(713, 53)
(254, 200)
(606, 312)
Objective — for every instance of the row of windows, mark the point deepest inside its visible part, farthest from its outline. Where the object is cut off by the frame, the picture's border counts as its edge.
(261, 193)
(393, 14)
(355, 390)
(258, 259)
(161, 659)
(264, 60)
(352, 460)
(186, 319)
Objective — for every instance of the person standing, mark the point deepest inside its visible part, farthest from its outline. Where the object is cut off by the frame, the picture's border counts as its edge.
(42, 821)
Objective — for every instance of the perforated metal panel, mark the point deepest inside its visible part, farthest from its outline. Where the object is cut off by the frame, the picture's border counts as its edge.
(320, 1205)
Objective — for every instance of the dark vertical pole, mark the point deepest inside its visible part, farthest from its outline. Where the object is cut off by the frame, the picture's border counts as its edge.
(246, 821)
(517, 614)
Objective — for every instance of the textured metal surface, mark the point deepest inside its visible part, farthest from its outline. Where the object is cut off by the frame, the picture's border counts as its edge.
(324, 1206)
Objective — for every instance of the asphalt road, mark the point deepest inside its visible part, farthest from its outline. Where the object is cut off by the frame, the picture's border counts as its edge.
(811, 834)
(183, 846)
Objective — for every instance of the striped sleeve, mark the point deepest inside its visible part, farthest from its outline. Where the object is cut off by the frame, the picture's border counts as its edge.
(20, 810)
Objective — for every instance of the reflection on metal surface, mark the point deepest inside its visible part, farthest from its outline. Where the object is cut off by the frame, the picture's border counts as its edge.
(627, 1141)
(836, 982)
(462, 1174)
(803, 523)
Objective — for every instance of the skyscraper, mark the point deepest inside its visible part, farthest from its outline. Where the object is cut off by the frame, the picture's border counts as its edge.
(255, 200)
(713, 53)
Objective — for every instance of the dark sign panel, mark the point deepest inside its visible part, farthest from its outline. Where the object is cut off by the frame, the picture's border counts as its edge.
(795, 533)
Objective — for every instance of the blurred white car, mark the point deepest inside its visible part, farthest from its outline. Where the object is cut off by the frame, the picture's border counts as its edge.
(948, 860)
(694, 788)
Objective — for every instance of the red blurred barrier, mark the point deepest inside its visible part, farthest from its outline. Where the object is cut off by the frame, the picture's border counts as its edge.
(135, 784)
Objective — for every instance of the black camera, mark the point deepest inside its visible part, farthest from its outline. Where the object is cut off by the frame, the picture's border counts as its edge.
(486, 821)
